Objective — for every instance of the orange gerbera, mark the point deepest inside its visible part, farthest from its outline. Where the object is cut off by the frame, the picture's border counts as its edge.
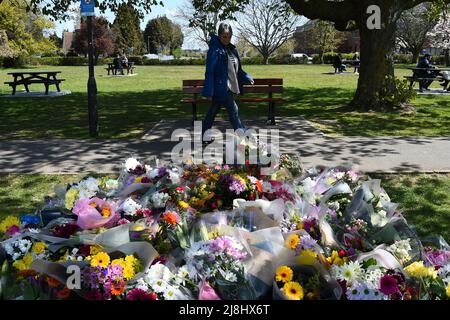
(52, 282)
(26, 273)
(64, 293)
(170, 217)
(259, 185)
(118, 288)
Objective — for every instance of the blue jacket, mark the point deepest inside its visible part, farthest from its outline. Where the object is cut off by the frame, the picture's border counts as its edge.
(216, 75)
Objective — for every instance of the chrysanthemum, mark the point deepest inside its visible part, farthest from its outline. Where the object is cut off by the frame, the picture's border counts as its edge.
(292, 241)
(284, 274)
(138, 294)
(293, 290)
(101, 259)
(388, 285)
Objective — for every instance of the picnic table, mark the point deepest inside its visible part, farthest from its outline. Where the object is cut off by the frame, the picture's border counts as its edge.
(419, 77)
(26, 78)
(113, 70)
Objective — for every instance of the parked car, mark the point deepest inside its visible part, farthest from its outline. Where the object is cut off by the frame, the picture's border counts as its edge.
(301, 55)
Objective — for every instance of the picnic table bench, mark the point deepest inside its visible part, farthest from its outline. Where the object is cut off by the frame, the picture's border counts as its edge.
(26, 78)
(417, 77)
(266, 86)
(113, 70)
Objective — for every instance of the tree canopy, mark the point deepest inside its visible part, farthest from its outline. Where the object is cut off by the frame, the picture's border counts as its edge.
(162, 34)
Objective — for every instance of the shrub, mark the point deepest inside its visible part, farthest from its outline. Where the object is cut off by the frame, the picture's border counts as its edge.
(395, 93)
(138, 60)
(403, 58)
(252, 60)
(15, 62)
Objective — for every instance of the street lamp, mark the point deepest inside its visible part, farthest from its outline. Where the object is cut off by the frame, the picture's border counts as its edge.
(88, 10)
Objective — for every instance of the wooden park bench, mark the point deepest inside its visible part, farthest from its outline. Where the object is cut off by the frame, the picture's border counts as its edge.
(264, 86)
(113, 70)
(26, 78)
(417, 77)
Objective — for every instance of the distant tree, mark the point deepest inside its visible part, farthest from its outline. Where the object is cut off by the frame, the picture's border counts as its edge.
(287, 48)
(26, 32)
(245, 49)
(440, 36)
(103, 38)
(56, 40)
(325, 38)
(162, 34)
(126, 29)
(267, 25)
(413, 28)
(198, 25)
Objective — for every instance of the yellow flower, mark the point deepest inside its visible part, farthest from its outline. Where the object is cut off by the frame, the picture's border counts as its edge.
(292, 241)
(284, 273)
(335, 259)
(418, 270)
(119, 262)
(9, 222)
(39, 247)
(138, 179)
(93, 250)
(183, 204)
(101, 259)
(299, 225)
(293, 290)
(128, 272)
(71, 196)
(24, 263)
(448, 291)
(307, 257)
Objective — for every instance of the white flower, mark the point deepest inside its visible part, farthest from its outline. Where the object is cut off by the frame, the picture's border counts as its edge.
(158, 272)
(154, 173)
(379, 219)
(159, 199)
(373, 276)
(131, 164)
(360, 291)
(111, 184)
(267, 187)
(141, 284)
(34, 230)
(174, 177)
(339, 175)
(130, 206)
(351, 272)
(24, 246)
(159, 286)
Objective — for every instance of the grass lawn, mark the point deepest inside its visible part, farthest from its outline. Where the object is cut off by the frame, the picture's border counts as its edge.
(424, 199)
(130, 105)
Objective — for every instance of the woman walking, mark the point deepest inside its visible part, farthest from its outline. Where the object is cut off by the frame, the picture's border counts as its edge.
(224, 78)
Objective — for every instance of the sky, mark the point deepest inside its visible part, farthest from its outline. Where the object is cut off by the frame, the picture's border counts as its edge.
(169, 9)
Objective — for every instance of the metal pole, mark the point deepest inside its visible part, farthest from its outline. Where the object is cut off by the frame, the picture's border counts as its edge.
(92, 85)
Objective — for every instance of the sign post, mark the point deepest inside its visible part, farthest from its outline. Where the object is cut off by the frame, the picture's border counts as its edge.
(88, 10)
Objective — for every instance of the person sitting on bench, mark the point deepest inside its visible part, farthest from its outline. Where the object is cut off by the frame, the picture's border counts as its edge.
(337, 64)
(117, 64)
(425, 63)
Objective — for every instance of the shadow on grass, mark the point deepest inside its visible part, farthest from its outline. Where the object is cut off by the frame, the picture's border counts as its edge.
(132, 114)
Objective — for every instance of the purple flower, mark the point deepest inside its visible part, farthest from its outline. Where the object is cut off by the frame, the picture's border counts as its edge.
(162, 171)
(12, 231)
(237, 186)
(388, 285)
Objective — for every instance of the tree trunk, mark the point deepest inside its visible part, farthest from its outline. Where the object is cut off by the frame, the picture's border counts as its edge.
(447, 57)
(415, 55)
(265, 59)
(377, 48)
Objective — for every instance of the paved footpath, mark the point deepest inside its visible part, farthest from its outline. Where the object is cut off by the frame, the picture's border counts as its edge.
(297, 136)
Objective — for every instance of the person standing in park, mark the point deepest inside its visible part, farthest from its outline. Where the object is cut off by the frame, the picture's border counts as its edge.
(224, 78)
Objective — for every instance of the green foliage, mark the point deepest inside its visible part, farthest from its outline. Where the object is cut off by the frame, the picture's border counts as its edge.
(162, 35)
(328, 57)
(127, 31)
(395, 93)
(25, 31)
(102, 35)
(16, 62)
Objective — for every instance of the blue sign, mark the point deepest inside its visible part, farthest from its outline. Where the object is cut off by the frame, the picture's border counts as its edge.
(87, 8)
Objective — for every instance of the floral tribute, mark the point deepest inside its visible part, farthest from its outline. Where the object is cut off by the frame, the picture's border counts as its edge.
(166, 231)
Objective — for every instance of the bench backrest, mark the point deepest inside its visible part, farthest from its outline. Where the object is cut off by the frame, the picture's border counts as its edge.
(260, 86)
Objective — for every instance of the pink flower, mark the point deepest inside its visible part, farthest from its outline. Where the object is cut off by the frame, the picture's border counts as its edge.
(123, 221)
(94, 213)
(207, 292)
(12, 231)
(388, 285)
(139, 294)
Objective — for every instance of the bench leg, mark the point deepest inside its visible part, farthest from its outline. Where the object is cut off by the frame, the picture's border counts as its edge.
(14, 90)
(26, 88)
(194, 113)
(272, 119)
(46, 88)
